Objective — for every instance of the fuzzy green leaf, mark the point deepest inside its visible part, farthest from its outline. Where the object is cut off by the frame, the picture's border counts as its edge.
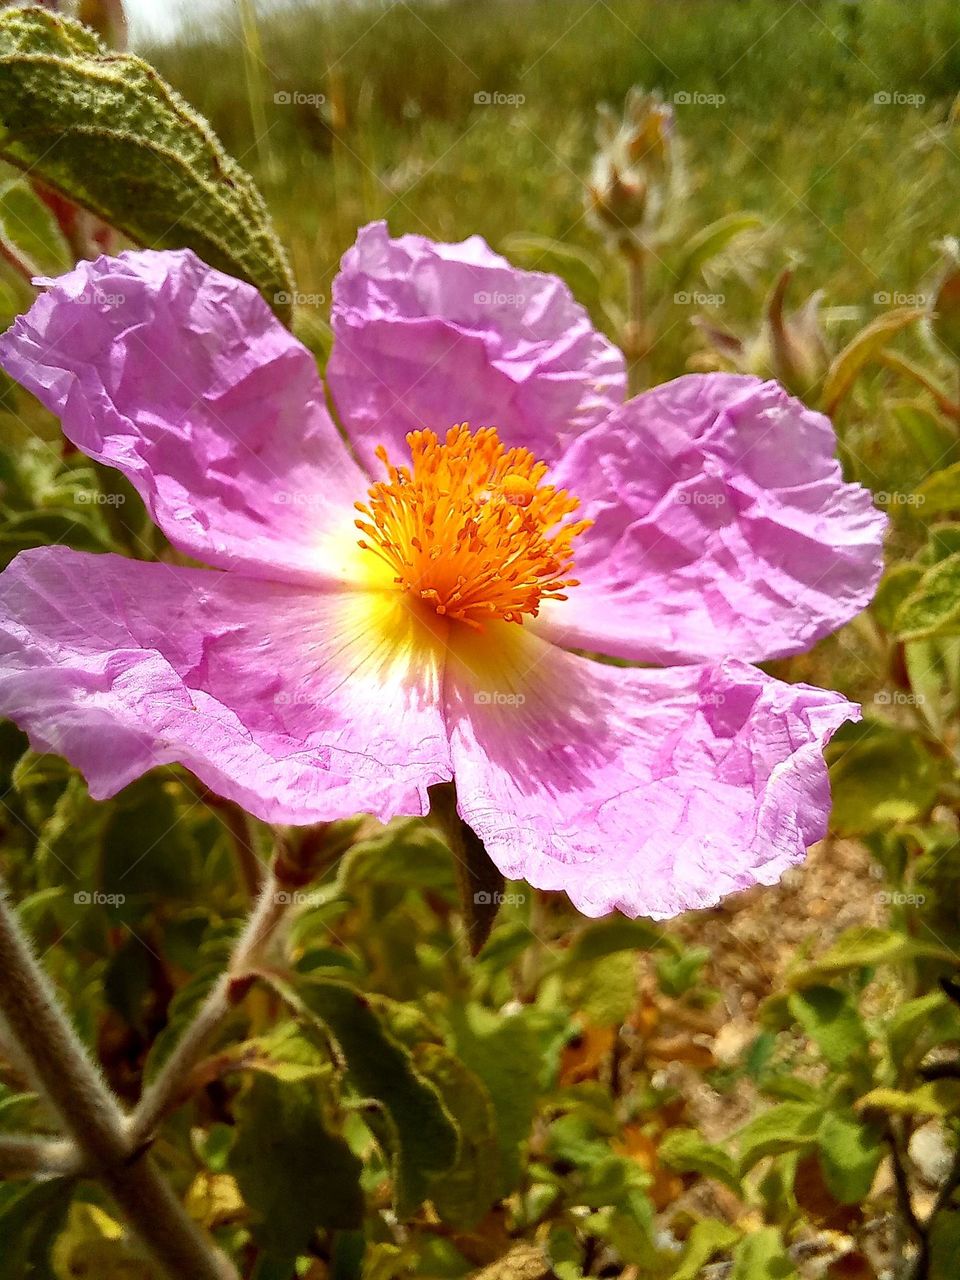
(880, 775)
(464, 1193)
(761, 1256)
(831, 1020)
(789, 1126)
(421, 1133)
(106, 131)
(504, 1053)
(850, 1151)
(687, 1152)
(706, 1240)
(933, 606)
(293, 1172)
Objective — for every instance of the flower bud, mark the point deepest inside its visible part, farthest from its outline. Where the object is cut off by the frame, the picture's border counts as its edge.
(636, 173)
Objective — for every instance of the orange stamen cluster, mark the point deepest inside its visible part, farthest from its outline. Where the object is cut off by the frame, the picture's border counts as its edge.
(470, 529)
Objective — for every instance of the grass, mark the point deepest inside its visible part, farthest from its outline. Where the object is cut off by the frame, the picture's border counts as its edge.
(856, 190)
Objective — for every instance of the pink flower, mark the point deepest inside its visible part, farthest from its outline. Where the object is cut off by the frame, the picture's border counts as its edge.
(309, 677)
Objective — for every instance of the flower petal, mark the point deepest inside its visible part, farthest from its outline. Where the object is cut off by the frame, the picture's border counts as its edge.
(722, 524)
(183, 379)
(430, 335)
(300, 705)
(651, 792)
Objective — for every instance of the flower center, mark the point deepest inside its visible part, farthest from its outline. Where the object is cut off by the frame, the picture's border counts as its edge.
(470, 529)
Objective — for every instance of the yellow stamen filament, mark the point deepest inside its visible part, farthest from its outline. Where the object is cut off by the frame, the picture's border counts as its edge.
(470, 528)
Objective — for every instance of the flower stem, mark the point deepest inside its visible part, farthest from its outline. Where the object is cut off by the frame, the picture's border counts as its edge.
(22, 1155)
(637, 337)
(62, 1070)
(163, 1093)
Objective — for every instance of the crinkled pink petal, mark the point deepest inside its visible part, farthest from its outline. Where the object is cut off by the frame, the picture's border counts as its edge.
(283, 699)
(430, 335)
(651, 792)
(183, 379)
(722, 524)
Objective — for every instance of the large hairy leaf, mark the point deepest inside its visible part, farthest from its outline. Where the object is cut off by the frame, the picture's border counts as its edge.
(294, 1173)
(419, 1130)
(106, 131)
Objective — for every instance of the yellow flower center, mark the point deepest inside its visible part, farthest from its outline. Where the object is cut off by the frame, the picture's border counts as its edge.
(470, 528)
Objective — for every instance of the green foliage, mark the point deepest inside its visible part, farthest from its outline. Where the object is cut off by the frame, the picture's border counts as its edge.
(418, 1129)
(295, 1175)
(465, 1192)
(107, 132)
(30, 1217)
(831, 1019)
(850, 1151)
(686, 1151)
(788, 1126)
(881, 775)
(761, 1256)
(504, 1054)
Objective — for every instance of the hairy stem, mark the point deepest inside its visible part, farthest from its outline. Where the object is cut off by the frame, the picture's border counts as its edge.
(636, 337)
(14, 258)
(62, 1070)
(164, 1091)
(22, 1155)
